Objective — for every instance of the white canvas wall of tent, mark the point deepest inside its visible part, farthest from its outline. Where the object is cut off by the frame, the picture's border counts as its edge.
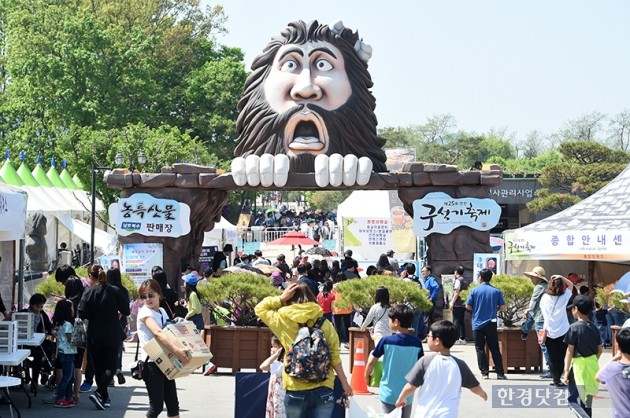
(591, 238)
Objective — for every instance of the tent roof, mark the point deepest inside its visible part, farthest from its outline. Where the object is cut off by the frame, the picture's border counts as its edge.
(40, 176)
(9, 174)
(54, 178)
(67, 180)
(597, 228)
(607, 209)
(78, 182)
(27, 177)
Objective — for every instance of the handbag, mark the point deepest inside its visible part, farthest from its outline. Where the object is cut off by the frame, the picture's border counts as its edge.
(137, 367)
(79, 333)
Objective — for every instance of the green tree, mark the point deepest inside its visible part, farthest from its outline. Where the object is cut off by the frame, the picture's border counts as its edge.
(77, 66)
(585, 168)
(326, 200)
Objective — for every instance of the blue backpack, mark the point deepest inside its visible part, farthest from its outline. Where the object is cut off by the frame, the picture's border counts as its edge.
(309, 358)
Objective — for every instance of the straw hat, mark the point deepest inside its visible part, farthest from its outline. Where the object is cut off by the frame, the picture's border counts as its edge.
(536, 273)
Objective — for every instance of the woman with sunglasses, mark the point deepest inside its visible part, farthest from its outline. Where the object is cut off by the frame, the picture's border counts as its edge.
(151, 320)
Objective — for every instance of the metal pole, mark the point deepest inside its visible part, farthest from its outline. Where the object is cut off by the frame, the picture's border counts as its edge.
(20, 301)
(93, 225)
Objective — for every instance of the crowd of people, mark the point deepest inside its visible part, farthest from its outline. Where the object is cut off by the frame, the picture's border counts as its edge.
(562, 316)
(317, 225)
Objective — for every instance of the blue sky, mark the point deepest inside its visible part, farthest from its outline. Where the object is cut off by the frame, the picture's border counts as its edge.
(524, 65)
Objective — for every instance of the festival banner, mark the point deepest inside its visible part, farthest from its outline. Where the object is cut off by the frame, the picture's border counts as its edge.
(567, 245)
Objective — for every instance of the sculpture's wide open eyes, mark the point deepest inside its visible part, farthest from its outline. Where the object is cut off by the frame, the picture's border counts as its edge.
(289, 66)
(323, 65)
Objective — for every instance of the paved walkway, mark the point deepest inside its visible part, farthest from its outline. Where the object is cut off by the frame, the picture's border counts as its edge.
(213, 396)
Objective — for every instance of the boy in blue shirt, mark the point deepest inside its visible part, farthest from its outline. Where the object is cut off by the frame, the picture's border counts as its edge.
(400, 352)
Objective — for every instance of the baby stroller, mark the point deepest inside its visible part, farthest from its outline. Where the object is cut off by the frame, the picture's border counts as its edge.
(41, 366)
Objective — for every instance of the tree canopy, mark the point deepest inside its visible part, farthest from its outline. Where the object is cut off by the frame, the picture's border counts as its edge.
(585, 167)
(83, 80)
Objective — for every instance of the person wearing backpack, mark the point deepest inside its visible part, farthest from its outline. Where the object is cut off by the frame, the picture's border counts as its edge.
(294, 317)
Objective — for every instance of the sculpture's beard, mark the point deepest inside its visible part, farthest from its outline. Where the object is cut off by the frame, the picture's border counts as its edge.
(305, 131)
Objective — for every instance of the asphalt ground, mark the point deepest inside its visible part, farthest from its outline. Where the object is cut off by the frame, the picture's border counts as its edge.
(213, 396)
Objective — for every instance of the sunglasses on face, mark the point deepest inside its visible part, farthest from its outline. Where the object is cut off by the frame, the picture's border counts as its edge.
(149, 295)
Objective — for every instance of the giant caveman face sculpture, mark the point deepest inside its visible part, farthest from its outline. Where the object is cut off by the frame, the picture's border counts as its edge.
(307, 107)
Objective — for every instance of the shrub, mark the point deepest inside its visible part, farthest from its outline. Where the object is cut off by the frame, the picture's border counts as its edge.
(238, 293)
(360, 292)
(517, 291)
(51, 287)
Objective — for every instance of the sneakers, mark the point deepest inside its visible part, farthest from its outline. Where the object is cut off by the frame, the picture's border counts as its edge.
(461, 342)
(49, 400)
(97, 401)
(62, 403)
(85, 387)
(211, 369)
(546, 375)
(121, 377)
(107, 403)
(76, 400)
(485, 376)
(501, 377)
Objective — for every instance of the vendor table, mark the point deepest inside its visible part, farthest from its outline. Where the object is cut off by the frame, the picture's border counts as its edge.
(5, 383)
(15, 359)
(38, 339)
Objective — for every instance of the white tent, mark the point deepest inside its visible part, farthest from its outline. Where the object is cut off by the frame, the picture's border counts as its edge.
(13, 204)
(223, 233)
(597, 228)
(360, 211)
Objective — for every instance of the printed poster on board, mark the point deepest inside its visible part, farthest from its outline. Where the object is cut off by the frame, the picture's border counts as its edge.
(139, 259)
(490, 261)
(369, 237)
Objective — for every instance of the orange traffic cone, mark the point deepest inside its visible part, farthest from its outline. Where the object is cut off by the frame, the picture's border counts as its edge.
(357, 382)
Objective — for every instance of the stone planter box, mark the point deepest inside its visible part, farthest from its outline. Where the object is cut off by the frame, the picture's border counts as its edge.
(238, 348)
(518, 354)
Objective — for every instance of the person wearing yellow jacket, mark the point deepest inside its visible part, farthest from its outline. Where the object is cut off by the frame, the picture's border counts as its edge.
(283, 315)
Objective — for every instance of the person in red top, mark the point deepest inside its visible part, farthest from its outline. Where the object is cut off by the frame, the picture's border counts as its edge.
(325, 299)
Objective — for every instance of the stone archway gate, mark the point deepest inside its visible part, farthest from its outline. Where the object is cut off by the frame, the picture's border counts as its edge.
(205, 191)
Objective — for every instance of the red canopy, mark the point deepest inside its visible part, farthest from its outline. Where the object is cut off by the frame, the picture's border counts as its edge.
(294, 238)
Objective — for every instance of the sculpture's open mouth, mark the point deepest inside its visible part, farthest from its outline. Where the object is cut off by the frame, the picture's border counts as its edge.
(306, 132)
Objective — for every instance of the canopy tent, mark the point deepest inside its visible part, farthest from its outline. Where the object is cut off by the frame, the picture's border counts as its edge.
(13, 203)
(50, 194)
(223, 233)
(597, 228)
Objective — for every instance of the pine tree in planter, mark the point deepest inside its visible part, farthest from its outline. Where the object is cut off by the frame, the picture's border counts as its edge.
(360, 292)
(240, 345)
